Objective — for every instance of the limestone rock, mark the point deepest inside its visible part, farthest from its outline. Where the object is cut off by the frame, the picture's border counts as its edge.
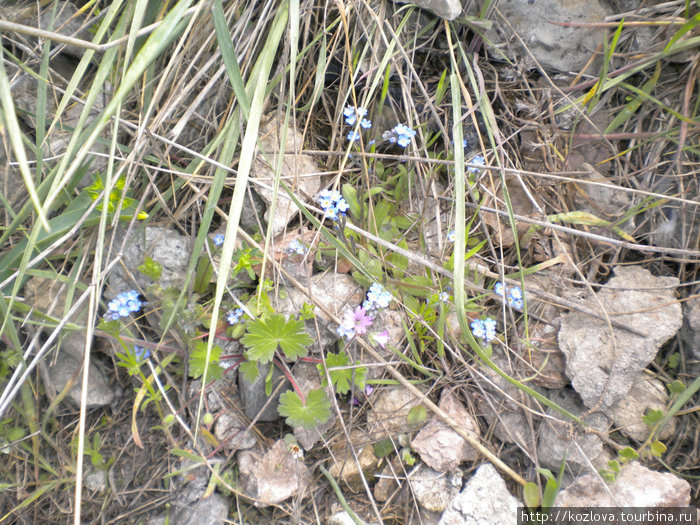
(389, 412)
(599, 365)
(275, 477)
(435, 490)
(346, 469)
(299, 171)
(556, 47)
(627, 413)
(636, 486)
(439, 446)
(484, 499)
(447, 9)
(579, 447)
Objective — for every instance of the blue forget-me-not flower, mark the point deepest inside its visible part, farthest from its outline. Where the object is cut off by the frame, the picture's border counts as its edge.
(234, 316)
(333, 203)
(476, 160)
(123, 305)
(484, 329)
(513, 294)
(218, 239)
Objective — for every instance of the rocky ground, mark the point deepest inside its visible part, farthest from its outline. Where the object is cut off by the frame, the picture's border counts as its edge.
(565, 358)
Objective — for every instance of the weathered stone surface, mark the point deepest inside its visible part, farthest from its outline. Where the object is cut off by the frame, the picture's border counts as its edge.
(68, 367)
(447, 9)
(484, 499)
(559, 440)
(346, 469)
(301, 172)
(497, 406)
(164, 245)
(389, 480)
(435, 490)
(389, 412)
(439, 446)
(189, 507)
(627, 413)
(232, 432)
(555, 47)
(253, 396)
(275, 477)
(636, 486)
(602, 365)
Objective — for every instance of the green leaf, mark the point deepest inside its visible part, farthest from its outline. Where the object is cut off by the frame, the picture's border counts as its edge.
(342, 379)
(551, 489)
(416, 415)
(198, 361)
(628, 453)
(383, 448)
(614, 466)
(657, 448)
(202, 275)
(250, 371)
(151, 269)
(673, 360)
(316, 410)
(652, 417)
(676, 387)
(531, 495)
(265, 335)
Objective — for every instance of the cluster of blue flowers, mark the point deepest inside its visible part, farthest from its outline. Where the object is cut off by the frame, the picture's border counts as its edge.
(513, 294)
(123, 305)
(235, 316)
(141, 353)
(296, 247)
(377, 298)
(476, 160)
(351, 114)
(333, 203)
(218, 239)
(400, 134)
(484, 329)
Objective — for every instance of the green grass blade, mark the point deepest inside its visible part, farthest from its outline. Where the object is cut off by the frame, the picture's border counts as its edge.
(16, 140)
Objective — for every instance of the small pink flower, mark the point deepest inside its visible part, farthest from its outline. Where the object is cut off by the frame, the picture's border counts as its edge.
(382, 338)
(361, 321)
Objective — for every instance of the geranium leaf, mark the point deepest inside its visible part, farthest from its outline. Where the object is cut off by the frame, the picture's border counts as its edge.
(316, 410)
(264, 336)
(198, 361)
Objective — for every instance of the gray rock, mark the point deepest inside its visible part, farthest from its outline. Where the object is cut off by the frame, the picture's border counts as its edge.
(627, 413)
(484, 499)
(68, 22)
(67, 367)
(254, 398)
(440, 447)
(603, 369)
(389, 480)
(307, 378)
(447, 9)
(636, 486)
(389, 412)
(164, 245)
(555, 47)
(300, 172)
(344, 467)
(497, 406)
(558, 440)
(232, 432)
(342, 518)
(277, 476)
(189, 507)
(691, 330)
(435, 490)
